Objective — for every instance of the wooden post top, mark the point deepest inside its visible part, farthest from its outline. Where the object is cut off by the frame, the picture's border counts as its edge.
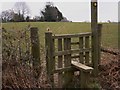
(48, 31)
(93, 0)
(34, 28)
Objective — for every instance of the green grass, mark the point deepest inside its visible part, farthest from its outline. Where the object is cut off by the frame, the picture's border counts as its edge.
(109, 30)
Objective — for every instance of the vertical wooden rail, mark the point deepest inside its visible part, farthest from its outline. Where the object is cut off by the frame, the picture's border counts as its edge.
(67, 63)
(81, 59)
(35, 51)
(87, 53)
(50, 62)
(60, 64)
(99, 42)
(95, 49)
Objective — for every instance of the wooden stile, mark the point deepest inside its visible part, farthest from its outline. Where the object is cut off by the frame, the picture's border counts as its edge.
(66, 66)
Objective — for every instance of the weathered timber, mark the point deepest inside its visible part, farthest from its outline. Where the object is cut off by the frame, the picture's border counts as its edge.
(66, 52)
(87, 45)
(81, 66)
(81, 45)
(84, 73)
(60, 70)
(50, 63)
(67, 63)
(72, 35)
(35, 51)
(60, 64)
(99, 42)
(94, 28)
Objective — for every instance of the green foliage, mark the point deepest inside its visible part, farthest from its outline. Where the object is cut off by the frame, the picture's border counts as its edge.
(51, 13)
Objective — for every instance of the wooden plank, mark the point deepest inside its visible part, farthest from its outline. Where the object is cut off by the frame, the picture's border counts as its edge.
(71, 35)
(94, 36)
(81, 66)
(66, 52)
(49, 57)
(87, 45)
(60, 64)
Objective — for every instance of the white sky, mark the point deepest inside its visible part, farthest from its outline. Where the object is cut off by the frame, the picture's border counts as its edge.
(74, 10)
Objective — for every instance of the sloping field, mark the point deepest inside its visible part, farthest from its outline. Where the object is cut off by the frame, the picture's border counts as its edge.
(109, 30)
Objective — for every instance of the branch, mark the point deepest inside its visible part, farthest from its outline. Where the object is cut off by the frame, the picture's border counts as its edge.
(109, 51)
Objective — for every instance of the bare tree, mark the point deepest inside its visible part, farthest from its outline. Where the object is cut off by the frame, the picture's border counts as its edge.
(22, 8)
(7, 15)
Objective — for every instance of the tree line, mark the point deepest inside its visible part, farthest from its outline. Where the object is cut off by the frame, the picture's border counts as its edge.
(21, 13)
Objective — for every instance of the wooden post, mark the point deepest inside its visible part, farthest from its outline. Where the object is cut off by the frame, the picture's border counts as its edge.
(81, 60)
(99, 42)
(35, 51)
(84, 79)
(95, 48)
(50, 61)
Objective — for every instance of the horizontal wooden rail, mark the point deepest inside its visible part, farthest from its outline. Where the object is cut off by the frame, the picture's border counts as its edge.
(59, 70)
(71, 35)
(76, 56)
(66, 52)
(74, 43)
(81, 66)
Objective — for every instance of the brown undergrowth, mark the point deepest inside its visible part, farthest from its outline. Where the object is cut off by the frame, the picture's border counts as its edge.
(109, 75)
(17, 70)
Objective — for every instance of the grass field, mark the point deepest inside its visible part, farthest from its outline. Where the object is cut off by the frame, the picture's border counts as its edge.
(109, 30)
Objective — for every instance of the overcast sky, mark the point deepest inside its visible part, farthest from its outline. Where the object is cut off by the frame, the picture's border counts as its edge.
(73, 10)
